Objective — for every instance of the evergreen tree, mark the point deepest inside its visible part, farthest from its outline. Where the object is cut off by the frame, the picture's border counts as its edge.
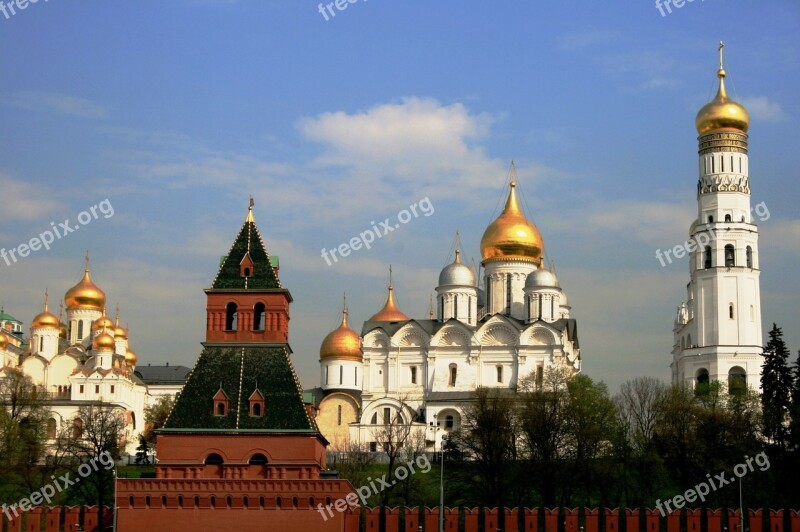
(794, 411)
(776, 386)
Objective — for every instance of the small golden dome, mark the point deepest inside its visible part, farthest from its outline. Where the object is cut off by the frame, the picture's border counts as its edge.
(3, 341)
(389, 312)
(85, 295)
(103, 342)
(62, 331)
(343, 342)
(131, 358)
(511, 236)
(103, 322)
(120, 332)
(722, 113)
(45, 320)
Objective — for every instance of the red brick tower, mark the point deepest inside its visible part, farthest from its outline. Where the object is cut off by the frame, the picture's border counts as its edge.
(239, 436)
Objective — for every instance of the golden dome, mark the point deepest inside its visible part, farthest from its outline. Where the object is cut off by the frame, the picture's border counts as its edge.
(103, 342)
(3, 341)
(85, 295)
(511, 235)
(389, 312)
(343, 342)
(46, 319)
(62, 331)
(722, 113)
(131, 358)
(120, 332)
(103, 322)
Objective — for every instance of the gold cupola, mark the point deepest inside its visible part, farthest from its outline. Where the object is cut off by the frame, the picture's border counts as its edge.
(722, 113)
(103, 342)
(120, 332)
(45, 320)
(103, 322)
(342, 343)
(85, 294)
(131, 358)
(511, 236)
(389, 312)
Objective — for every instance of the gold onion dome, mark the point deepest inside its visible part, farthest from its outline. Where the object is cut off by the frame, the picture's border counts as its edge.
(103, 342)
(389, 312)
(46, 319)
(103, 322)
(131, 358)
(511, 236)
(120, 331)
(722, 113)
(342, 342)
(85, 294)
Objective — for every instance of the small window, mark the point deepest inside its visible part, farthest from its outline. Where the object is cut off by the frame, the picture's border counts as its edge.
(258, 317)
(220, 409)
(257, 410)
(213, 459)
(374, 419)
(112, 388)
(453, 374)
(710, 219)
(97, 388)
(77, 428)
(499, 373)
(728, 218)
(707, 257)
(80, 388)
(730, 256)
(231, 317)
(258, 459)
(730, 311)
(737, 381)
(539, 377)
(749, 256)
(373, 447)
(387, 416)
(341, 374)
(51, 429)
(413, 374)
(449, 422)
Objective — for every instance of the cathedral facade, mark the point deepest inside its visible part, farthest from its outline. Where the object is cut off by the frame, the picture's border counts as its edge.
(85, 361)
(489, 330)
(717, 330)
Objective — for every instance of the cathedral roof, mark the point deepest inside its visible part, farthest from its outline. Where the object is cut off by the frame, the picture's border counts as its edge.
(163, 374)
(238, 371)
(247, 246)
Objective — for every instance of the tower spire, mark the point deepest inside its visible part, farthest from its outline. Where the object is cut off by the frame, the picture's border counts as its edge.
(250, 218)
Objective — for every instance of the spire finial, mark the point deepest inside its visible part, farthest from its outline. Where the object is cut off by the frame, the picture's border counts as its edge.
(391, 286)
(458, 246)
(60, 311)
(46, 299)
(431, 314)
(721, 55)
(250, 217)
(513, 174)
(86, 261)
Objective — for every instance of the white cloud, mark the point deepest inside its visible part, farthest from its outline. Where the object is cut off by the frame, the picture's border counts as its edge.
(25, 201)
(58, 103)
(763, 109)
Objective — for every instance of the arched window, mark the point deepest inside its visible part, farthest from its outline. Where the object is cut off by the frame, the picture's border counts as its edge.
(374, 419)
(257, 459)
(749, 256)
(499, 373)
(413, 374)
(730, 256)
(77, 428)
(213, 459)
(730, 311)
(231, 317)
(51, 428)
(258, 317)
(41, 344)
(133, 416)
(728, 218)
(707, 257)
(455, 306)
(710, 219)
(220, 409)
(453, 374)
(737, 380)
(80, 330)
(256, 410)
(702, 377)
(449, 422)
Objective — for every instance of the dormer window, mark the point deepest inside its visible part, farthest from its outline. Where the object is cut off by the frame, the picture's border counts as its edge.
(221, 403)
(257, 404)
(246, 266)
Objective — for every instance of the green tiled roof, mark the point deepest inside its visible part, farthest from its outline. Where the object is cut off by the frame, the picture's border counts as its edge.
(239, 370)
(249, 240)
(7, 317)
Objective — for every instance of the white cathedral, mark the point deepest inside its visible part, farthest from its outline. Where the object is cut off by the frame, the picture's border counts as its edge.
(717, 331)
(85, 361)
(513, 324)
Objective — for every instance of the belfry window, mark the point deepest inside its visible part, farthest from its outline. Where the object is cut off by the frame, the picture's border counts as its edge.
(453, 374)
(728, 218)
(258, 316)
(749, 256)
(231, 317)
(708, 257)
(730, 256)
(508, 293)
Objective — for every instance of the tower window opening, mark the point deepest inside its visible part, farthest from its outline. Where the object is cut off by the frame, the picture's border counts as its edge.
(413, 374)
(80, 330)
(728, 218)
(453, 374)
(449, 422)
(508, 293)
(749, 256)
(258, 316)
(730, 311)
(231, 317)
(730, 256)
(707, 264)
(710, 219)
(441, 308)
(455, 306)
(737, 381)
(500, 374)
(702, 378)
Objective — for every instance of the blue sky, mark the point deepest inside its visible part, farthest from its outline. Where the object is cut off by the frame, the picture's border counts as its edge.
(178, 111)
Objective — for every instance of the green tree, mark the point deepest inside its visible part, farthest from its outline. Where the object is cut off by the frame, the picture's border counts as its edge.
(155, 416)
(777, 383)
